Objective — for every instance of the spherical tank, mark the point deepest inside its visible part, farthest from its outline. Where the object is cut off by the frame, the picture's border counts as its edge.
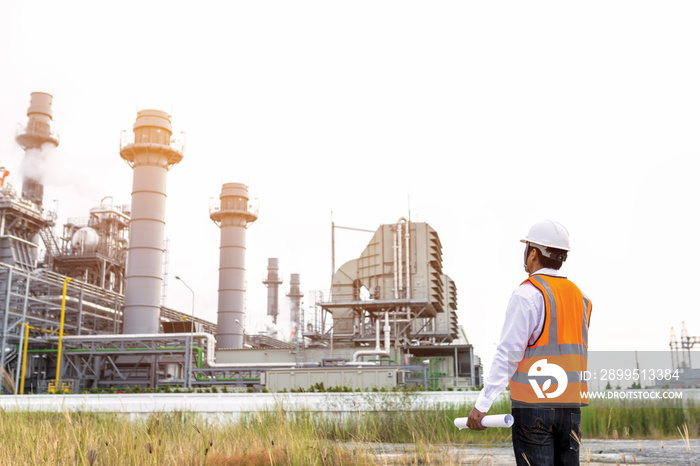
(85, 241)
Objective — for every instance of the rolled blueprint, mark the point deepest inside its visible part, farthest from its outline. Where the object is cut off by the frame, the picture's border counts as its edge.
(492, 420)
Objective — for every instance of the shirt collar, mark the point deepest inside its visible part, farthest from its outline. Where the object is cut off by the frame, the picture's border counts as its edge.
(548, 271)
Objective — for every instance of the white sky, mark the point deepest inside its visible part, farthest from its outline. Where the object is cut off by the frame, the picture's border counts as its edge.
(488, 116)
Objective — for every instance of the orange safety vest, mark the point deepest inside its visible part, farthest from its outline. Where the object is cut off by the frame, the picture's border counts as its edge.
(551, 371)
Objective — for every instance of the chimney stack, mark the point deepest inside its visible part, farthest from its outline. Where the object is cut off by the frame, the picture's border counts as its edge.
(272, 282)
(295, 317)
(32, 139)
(233, 216)
(151, 153)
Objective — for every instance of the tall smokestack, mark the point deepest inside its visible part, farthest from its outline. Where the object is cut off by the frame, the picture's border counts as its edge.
(295, 295)
(233, 217)
(151, 154)
(272, 282)
(32, 139)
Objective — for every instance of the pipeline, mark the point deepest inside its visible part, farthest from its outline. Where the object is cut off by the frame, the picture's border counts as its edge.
(210, 355)
(396, 275)
(200, 351)
(399, 255)
(407, 237)
(84, 303)
(377, 351)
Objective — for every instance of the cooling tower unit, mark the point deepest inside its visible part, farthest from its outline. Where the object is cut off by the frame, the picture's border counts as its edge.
(233, 216)
(151, 154)
(35, 138)
(398, 275)
(272, 282)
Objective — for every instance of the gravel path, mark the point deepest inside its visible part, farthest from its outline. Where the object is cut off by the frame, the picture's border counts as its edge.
(593, 452)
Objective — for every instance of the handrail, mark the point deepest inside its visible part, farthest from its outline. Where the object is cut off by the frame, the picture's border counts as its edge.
(128, 139)
(28, 129)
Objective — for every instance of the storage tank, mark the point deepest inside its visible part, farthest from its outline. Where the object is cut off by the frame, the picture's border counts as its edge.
(85, 241)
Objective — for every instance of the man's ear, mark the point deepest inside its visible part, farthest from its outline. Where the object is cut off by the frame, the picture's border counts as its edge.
(531, 252)
(534, 257)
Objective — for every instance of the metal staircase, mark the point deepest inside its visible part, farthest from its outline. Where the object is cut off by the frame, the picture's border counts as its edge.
(49, 240)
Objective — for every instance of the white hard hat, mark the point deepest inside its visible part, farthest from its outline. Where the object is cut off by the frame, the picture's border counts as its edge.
(549, 234)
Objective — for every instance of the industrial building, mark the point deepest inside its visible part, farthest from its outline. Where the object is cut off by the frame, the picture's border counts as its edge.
(681, 360)
(82, 309)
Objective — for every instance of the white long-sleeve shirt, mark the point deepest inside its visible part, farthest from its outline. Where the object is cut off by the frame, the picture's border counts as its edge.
(523, 325)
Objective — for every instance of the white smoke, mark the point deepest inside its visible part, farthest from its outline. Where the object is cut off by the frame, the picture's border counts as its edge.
(37, 162)
(55, 169)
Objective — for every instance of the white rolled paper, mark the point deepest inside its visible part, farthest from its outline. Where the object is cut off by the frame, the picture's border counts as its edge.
(492, 420)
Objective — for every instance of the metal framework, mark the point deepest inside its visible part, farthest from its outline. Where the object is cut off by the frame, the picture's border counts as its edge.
(35, 298)
(148, 361)
(685, 343)
(402, 314)
(20, 221)
(98, 260)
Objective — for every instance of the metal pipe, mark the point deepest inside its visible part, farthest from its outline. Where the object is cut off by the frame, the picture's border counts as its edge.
(80, 309)
(399, 254)
(396, 278)
(88, 304)
(377, 351)
(25, 351)
(377, 344)
(159, 348)
(60, 330)
(359, 354)
(24, 317)
(407, 236)
(21, 345)
(210, 355)
(6, 316)
(24, 358)
(387, 332)
(332, 248)
(189, 341)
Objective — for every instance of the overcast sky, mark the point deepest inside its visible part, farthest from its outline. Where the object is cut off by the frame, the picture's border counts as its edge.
(480, 117)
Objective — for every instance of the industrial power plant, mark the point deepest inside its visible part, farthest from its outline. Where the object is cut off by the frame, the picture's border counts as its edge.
(81, 305)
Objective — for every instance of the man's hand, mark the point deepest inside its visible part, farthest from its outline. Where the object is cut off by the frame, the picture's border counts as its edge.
(474, 421)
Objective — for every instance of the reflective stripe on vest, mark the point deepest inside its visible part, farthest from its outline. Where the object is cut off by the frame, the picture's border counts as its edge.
(551, 369)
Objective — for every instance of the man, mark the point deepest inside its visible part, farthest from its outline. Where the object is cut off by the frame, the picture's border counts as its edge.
(543, 350)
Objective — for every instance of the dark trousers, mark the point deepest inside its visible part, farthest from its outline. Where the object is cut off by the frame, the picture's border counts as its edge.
(544, 436)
